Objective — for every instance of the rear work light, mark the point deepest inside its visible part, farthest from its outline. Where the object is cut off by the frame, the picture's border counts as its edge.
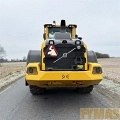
(77, 42)
(78, 47)
(51, 42)
(97, 70)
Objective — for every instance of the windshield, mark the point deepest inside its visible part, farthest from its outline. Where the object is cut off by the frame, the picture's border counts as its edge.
(57, 29)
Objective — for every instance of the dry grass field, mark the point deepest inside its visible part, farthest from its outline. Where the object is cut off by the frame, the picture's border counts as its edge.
(9, 72)
(8, 69)
(111, 68)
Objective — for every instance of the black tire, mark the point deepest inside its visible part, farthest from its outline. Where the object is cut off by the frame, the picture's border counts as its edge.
(32, 57)
(92, 57)
(35, 90)
(85, 89)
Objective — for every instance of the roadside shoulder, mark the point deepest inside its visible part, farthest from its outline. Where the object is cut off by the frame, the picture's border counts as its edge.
(8, 80)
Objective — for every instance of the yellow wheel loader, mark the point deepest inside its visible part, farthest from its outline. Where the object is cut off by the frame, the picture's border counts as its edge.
(63, 61)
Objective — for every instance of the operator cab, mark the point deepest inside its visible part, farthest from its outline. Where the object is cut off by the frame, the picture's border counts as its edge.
(50, 29)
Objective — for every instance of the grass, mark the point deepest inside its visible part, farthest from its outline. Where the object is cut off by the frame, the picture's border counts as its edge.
(10, 68)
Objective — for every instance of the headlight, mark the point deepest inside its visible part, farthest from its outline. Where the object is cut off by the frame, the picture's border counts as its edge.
(51, 42)
(77, 42)
(32, 70)
(78, 47)
(97, 70)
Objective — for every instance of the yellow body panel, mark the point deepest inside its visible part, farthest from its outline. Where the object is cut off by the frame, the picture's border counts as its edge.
(63, 78)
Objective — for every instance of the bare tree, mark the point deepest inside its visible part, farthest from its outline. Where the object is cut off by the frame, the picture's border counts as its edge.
(24, 59)
(2, 54)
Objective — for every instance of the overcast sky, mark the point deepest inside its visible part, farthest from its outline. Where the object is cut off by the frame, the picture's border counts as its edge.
(21, 23)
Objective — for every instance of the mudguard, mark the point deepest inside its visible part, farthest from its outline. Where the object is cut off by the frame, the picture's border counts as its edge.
(33, 56)
(92, 57)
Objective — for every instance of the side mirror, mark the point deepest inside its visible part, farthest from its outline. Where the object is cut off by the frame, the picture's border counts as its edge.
(80, 38)
(44, 36)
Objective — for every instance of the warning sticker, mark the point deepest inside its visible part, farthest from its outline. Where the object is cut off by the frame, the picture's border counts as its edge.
(51, 51)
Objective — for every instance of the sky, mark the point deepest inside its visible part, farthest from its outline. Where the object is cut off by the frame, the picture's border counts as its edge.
(21, 24)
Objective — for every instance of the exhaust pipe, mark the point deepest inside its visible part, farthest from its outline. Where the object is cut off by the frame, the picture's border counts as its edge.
(63, 26)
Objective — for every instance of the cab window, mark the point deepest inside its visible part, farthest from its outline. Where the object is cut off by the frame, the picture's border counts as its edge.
(57, 29)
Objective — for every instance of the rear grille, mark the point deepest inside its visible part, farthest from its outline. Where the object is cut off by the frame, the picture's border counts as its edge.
(76, 57)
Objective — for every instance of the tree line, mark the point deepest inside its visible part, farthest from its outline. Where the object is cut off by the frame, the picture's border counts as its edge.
(101, 55)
